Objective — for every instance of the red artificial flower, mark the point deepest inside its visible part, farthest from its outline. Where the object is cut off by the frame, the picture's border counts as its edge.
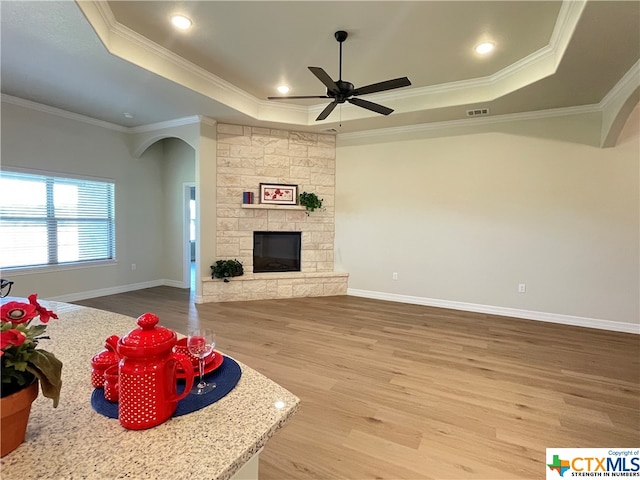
(18, 312)
(45, 314)
(11, 338)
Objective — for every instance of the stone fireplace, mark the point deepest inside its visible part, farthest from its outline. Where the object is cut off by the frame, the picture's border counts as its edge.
(246, 157)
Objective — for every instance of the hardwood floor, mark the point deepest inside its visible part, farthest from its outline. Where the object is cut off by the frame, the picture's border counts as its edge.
(399, 391)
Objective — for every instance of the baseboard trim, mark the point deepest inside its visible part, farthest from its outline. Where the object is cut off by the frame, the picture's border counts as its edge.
(174, 283)
(102, 292)
(502, 311)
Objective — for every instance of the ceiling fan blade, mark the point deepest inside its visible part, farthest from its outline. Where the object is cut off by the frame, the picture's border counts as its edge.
(382, 86)
(325, 78)
(374, 107)
(298, 97)
(327, 111)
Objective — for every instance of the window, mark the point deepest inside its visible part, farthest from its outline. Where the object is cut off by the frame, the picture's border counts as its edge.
(54, 221)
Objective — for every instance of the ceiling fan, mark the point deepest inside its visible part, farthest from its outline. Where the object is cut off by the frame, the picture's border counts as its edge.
(342, 91)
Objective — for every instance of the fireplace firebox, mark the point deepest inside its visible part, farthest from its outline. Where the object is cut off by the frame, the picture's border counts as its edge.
(276, 251)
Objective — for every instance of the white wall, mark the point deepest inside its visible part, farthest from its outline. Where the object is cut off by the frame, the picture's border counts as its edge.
(467, 218)
(37, 140)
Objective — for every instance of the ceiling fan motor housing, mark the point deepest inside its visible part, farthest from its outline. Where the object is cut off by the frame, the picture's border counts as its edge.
(345, 91)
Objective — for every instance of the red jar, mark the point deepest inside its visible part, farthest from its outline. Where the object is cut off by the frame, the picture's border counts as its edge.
(99, 363)
(103, 360)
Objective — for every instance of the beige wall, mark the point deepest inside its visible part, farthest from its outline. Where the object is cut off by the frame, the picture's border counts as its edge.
(467, 218)
(37, 140)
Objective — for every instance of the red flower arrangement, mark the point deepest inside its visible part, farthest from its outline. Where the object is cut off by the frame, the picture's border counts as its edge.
(21, 360)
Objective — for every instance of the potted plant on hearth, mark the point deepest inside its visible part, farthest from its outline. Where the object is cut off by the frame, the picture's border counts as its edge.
(226, 268)
(23, 367)
(310, 201)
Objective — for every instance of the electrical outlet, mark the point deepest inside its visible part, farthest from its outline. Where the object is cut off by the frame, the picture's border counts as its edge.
(133, 266)
(522, 288)
(395, 275)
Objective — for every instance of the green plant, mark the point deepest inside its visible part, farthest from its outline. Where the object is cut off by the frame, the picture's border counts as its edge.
(226, 268)
(310, 201)
(21, 360)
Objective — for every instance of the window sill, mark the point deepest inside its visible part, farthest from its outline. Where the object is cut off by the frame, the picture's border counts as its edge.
(8, 272)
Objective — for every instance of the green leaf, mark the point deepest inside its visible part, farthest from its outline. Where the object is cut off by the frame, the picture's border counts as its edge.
(48, 369)
(37, 330)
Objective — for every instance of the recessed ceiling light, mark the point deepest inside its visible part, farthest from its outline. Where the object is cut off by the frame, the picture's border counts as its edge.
(283, 89)
(181, 22)
(127, 115)
(485, 48)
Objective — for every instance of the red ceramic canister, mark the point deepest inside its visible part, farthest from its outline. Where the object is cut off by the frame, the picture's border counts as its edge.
(99, 363)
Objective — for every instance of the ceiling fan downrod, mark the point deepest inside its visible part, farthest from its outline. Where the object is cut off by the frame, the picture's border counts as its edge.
(341, 36)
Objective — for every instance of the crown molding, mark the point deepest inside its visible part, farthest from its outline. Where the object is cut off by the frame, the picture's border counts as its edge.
(178, 122)
(21, 102)
(570, 12)
(212, 122)
(128, 44)
(216, 82)
(383, 132)
(134, 37)
(568, 16)
(618, 104)
(472, 122)
(629, 82)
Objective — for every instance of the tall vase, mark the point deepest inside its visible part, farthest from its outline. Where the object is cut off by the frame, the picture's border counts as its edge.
(14, 416)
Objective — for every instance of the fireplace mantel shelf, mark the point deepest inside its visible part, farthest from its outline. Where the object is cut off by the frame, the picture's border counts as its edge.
(269, 206)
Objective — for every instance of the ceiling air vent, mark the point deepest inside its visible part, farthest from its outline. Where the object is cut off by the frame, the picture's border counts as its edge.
(477, 112)
(330, 130)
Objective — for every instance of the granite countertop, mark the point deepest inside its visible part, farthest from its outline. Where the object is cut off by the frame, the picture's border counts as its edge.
(73, 441)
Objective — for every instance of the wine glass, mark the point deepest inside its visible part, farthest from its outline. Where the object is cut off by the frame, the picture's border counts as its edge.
(201, 343)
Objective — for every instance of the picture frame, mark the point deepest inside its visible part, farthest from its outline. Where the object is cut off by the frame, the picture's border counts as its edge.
(278, 194)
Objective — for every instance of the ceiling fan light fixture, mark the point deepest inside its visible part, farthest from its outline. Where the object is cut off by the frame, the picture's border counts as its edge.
(181, 22)
(485, 48)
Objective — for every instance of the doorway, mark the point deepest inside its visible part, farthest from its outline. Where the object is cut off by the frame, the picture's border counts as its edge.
(189, 236)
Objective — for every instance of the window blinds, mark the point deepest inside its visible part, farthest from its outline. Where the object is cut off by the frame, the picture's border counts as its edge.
(51, 221)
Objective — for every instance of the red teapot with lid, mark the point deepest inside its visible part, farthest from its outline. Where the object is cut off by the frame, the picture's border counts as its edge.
(148, 374)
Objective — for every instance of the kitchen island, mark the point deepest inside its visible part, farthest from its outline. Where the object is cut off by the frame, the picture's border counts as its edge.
(73, 441)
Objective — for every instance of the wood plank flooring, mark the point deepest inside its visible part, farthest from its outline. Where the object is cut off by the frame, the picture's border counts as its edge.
(399, 391)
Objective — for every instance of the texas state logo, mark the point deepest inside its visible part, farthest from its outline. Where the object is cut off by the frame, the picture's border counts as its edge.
(592, 462)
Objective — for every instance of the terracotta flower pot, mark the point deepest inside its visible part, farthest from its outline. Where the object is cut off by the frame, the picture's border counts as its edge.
(14, 413)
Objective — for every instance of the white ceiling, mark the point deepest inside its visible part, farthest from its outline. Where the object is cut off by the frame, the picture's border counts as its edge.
(101, 59)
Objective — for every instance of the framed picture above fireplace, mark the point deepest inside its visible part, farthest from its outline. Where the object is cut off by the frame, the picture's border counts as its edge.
(278, 194)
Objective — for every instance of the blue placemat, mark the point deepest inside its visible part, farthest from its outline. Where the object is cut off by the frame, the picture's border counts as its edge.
(226, 377)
